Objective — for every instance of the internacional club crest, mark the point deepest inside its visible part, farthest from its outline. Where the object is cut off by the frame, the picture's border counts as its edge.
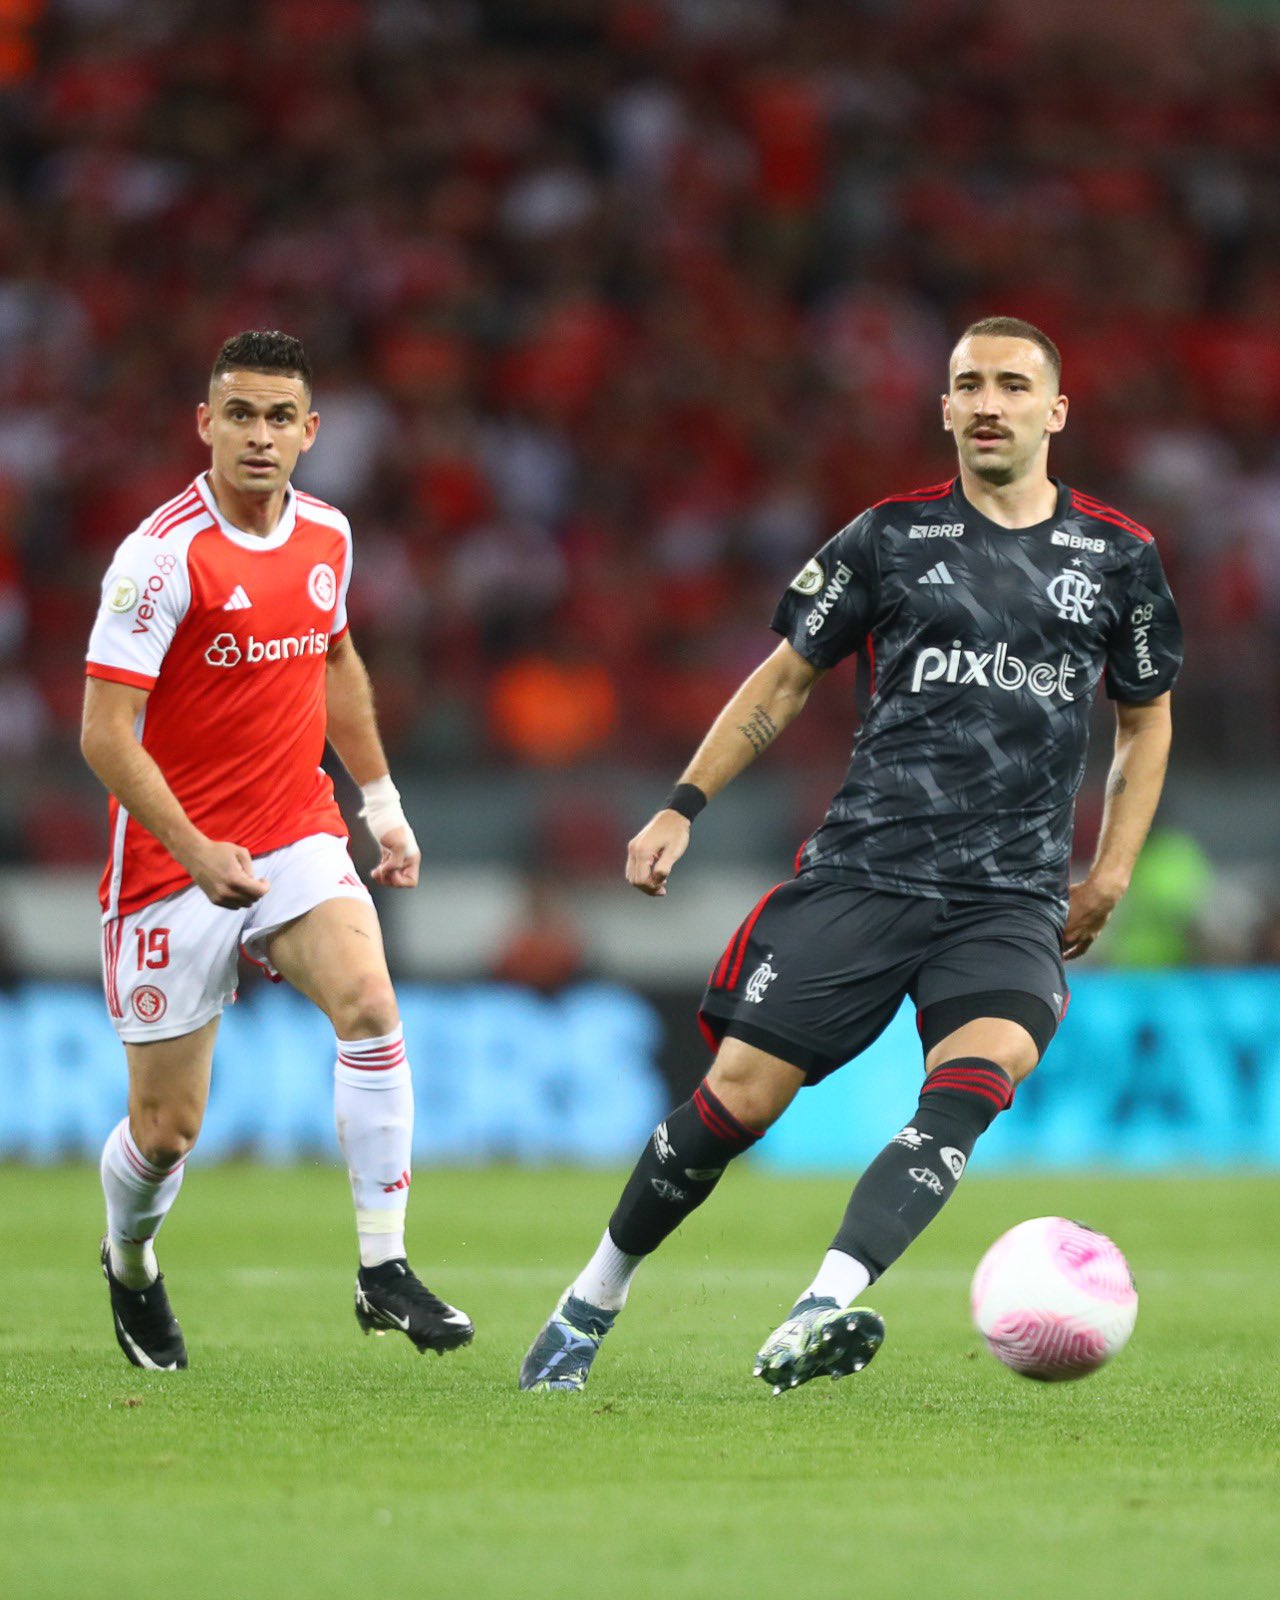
(322, 585)
(149, 1003)
(1075, 594)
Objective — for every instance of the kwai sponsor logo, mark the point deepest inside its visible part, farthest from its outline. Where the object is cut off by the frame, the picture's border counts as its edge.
(992, 669)
(825, 603)
(226, 650)
(1140, 621)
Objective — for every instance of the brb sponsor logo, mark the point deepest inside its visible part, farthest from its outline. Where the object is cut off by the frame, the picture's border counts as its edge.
(822, 607)
(992, 669)
(226, 651)
(1078, 541)
(937, 530)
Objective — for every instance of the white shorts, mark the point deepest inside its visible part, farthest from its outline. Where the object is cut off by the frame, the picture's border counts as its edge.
(171, 967)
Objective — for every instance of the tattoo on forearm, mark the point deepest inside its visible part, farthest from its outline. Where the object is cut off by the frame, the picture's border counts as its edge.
(1117, 784)
(759, 730)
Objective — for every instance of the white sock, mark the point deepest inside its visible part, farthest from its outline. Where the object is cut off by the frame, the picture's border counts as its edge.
(138, 1195)
(373, 1109)
(605, 1281)
(840, 1278)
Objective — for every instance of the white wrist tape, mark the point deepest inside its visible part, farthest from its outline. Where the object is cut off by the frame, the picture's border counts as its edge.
(382, 810)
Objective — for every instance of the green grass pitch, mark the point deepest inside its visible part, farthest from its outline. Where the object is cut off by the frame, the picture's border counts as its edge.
(297, 1458)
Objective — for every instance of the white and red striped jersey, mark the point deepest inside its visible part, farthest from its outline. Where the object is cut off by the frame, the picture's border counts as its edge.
(229, 632)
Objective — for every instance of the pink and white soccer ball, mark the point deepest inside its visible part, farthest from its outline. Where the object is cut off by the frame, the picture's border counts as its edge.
(1053, 1299)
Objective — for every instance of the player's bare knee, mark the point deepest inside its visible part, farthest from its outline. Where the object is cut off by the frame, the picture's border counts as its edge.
(1022, 1065)
(745, 1085)
(367, 1010)
(164, 1135)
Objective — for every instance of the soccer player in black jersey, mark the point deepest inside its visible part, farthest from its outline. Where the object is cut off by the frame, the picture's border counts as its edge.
(988, 610)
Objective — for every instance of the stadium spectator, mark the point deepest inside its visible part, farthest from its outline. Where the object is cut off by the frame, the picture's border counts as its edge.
(624, 303)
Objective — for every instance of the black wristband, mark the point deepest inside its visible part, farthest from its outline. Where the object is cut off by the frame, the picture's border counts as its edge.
(687, 799)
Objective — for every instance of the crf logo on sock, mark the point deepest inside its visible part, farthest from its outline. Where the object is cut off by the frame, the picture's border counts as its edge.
(668, 1191)
(926, 1178)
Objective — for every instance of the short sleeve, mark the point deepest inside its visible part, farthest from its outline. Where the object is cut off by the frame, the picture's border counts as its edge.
(340, 620)
(827, 611)
(145, 595)
(1144, 651)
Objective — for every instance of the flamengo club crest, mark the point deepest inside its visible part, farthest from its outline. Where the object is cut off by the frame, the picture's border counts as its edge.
(759, 981)
(1075, 595)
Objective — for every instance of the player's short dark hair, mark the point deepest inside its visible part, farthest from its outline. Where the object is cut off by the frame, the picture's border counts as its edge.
(1016, 328)
(263, 350)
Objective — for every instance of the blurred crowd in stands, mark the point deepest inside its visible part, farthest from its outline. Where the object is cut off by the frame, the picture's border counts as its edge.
(618, 309)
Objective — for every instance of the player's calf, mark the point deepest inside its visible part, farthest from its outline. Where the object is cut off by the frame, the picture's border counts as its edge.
(678, 1168)
(914, 1176)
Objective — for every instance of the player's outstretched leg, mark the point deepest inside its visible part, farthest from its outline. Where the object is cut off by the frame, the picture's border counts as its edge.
(373, 1108)
(678, 1169)
(139, 1194)
(896, 1198)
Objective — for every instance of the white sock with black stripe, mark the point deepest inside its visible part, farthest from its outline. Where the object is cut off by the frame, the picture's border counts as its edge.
(373, 1109)
(139, 1195)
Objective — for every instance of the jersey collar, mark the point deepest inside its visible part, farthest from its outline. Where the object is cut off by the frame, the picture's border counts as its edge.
(251, 541)
(970, 512)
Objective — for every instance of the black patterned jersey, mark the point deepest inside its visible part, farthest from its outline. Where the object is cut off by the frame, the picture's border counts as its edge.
(986, 646)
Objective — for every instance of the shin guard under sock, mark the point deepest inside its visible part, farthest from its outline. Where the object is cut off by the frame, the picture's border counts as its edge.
(914, 1176)
(680, 1166)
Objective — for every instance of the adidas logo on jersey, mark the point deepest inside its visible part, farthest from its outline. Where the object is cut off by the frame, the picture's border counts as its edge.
(239, 600)
(938, 574)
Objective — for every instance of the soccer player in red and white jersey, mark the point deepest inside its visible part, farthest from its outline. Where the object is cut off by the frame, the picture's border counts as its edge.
(219, 663)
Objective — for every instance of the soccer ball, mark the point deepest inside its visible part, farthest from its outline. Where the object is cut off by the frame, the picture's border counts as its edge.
(1053, 1299)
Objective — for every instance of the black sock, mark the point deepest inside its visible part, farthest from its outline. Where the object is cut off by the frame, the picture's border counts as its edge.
(914, 1176)
(678, 1169)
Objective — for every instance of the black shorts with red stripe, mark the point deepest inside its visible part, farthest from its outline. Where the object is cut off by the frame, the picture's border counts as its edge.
(820, 967)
